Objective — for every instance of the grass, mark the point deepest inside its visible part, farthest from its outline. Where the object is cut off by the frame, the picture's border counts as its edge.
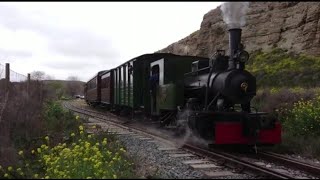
(307, 146)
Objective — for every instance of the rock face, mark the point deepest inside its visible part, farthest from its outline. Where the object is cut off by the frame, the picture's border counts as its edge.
(294, 26)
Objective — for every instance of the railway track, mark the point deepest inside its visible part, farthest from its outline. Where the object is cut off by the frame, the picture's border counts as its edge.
(315, 170)
(224, 159)
(241, 164)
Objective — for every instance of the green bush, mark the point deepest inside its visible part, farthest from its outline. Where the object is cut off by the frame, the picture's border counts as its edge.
(278, 68)
(58, 120)
(303, 119)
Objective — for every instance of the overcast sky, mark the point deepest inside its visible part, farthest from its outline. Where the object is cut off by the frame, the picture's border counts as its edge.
(81, 38)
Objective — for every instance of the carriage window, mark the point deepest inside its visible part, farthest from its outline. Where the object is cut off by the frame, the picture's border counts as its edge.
(104, 83)
(155, 69)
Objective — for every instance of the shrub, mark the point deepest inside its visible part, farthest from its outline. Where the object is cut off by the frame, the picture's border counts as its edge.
(58, 120)
(303, 119)
(86, 156)
(279, 68)
(270, 99)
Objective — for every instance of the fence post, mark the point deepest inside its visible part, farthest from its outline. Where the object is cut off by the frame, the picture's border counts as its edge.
(28, 83)
(7, 77)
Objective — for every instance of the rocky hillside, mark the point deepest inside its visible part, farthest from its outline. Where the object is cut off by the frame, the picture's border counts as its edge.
(293, 26)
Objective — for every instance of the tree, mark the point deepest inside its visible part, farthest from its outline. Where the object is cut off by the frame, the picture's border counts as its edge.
(55, 89)
(73, 78)
(38, 75)
(74, 86)
(49, 77)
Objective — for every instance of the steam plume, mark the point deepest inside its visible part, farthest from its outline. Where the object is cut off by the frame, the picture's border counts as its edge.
(234, 13)
(189, 136)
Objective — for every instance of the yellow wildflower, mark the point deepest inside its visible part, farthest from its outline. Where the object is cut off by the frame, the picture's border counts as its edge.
(0, 167)
(77, 117)
(47, 138)
(114, 176)
(89, 136)
(32, 152)
(81, 128)
(6, 175)
(9, 168)
(104, 142)
(47, 177)
(89, 177)
(36, 175)
(39, 150)
(20, 153)
(72, 134)
(81, 132)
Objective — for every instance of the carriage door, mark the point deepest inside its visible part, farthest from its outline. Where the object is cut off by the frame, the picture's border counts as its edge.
(156, 71)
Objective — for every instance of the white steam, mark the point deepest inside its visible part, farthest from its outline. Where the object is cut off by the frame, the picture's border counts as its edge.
(189, 136)
(234, 13)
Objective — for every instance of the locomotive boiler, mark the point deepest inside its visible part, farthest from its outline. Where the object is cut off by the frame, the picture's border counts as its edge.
(218, 93)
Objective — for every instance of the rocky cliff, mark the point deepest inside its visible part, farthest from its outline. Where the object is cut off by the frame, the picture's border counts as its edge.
(294, 26)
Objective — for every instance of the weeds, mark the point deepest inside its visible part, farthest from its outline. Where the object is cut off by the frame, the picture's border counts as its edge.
(308, 146)
(299, 112)
(58, 120)
(303, 119)
(85, 156)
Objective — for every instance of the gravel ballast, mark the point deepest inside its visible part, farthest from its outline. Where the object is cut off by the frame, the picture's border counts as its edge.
(155, 163)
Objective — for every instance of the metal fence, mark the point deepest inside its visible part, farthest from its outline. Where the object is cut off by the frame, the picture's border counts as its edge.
(14, 76)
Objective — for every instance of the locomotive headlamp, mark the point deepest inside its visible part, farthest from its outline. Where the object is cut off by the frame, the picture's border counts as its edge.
(243, 56)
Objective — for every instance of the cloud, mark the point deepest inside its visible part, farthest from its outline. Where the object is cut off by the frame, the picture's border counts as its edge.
(82, 44)
(83, 38)
(64, 40)
(16, 53)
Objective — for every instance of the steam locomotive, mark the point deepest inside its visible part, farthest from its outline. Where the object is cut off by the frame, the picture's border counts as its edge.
(210, 96)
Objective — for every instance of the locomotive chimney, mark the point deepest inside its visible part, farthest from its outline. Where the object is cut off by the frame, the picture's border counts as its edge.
(234, 44)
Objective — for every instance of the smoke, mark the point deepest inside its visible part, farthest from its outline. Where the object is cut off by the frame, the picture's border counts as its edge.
(189, 136)
(234, 13)
(182, 123)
